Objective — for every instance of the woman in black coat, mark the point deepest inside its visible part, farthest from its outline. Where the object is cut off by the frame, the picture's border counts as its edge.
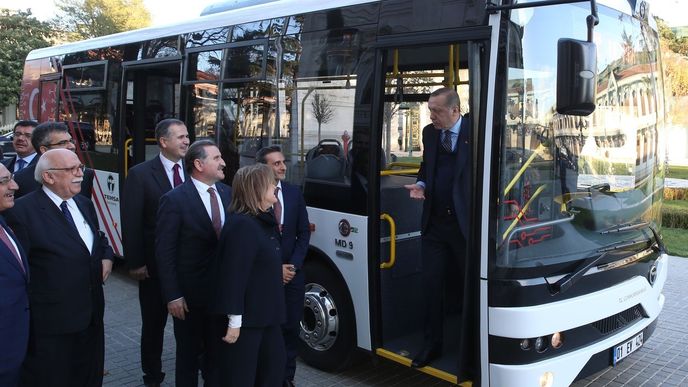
(249, 286)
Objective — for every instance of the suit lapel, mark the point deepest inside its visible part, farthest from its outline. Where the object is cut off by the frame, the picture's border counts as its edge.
(160, 175)
(5, 252)
(55, 215)
(196, 205)
(91, 222)
(433, 144)
(463, 145)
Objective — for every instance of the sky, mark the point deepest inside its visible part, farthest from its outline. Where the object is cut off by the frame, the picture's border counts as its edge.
(674, 12)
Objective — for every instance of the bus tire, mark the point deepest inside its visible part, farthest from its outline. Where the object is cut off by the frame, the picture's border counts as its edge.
(328, 328)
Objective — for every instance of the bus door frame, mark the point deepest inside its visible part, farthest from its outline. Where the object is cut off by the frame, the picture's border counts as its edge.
(139, 142)
(478, 41)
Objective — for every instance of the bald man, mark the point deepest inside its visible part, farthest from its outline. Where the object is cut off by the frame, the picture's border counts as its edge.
(69, 259)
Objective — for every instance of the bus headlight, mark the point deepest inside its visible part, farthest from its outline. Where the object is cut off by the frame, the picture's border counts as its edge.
(547, 379)
(557, 340)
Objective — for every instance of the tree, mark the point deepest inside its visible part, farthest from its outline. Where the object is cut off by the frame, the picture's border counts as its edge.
(322, 110)
(83, 19)
(19, 33)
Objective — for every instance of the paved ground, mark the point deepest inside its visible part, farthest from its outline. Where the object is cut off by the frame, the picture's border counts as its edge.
(662, 361)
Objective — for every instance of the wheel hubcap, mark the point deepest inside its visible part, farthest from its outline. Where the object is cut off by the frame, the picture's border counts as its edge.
(319, 325)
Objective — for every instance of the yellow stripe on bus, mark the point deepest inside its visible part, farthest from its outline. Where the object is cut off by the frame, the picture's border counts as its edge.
(428, 370)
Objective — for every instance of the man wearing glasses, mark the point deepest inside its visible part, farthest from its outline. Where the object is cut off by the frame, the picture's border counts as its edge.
(26, 154)
(46, 136)
(69, 260)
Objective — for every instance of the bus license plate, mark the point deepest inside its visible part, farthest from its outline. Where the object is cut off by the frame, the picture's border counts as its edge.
(627, 348)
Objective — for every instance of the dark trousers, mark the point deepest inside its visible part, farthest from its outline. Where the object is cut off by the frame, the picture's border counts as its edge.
(153, 320)
(9, 377)
(294, 294)
(197, 338)
(443, 247)
(66, 360)
(256, 359)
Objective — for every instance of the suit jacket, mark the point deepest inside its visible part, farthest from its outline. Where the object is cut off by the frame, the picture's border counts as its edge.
(296, 228)
(9, 163)
(27, 183)
(249, 274)
(144, 186)
(462, 185)
(186, 244)
(14, 305)
(65, 292)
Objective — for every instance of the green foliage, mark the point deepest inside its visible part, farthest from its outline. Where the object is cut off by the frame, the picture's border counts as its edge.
(19, 33)
(675, 214)
(676, 241)
(83, 19)
(678, 172)
(674, 52)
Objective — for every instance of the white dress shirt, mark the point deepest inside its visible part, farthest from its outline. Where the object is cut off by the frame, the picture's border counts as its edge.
(205, 198)
(82, 226)
(169, 169)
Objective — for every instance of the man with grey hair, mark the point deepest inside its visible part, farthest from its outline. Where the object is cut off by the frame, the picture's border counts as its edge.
(190, 218)
(69, 260)
(46, 136)
(145, 184)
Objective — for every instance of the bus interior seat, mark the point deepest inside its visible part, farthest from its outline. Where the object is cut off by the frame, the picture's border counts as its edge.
(326, 161)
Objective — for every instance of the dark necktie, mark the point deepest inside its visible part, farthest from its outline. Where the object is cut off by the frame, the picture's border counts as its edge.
(277, 207)
(21, 163)
(447, 141)
(68, 215)
(215, 211)
(6, 239)
(176, 177)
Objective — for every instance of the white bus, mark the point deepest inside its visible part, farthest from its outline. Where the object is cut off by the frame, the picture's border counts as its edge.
(565, 263)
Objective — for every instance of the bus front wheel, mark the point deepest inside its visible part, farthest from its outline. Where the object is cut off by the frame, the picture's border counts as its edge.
(328, 330)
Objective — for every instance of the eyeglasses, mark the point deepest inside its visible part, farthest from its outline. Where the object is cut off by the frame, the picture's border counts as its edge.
(74, 169)
(61, 143)
(22, 134)
(6, 180)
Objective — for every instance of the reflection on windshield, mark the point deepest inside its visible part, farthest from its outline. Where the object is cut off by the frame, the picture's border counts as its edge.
(564, 180)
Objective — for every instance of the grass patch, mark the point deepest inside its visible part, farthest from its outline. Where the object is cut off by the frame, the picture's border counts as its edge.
(675, 214)
(676, 241)
(678, 172)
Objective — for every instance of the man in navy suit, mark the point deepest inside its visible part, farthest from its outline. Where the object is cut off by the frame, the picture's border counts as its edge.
(292, 217)
(46, 136)
(26, 153)
(69, 259)
(145, 184)
(14, 282)
(444, 183)
(185, 250)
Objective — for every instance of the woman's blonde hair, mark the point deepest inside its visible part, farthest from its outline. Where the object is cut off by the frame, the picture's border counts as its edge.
(249, 185)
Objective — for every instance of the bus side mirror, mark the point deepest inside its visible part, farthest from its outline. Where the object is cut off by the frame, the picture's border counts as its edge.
(576, 83)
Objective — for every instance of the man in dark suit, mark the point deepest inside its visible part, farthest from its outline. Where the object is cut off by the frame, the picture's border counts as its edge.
(25, 152)
(444, 183)
(14, 282)
(292, 217)
(69, 259)
(144, 186)
(46, 136)
(185, 250)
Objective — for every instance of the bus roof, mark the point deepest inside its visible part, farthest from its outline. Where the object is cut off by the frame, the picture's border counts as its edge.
(221, 19)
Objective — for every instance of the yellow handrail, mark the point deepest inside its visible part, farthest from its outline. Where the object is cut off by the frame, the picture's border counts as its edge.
(127, 143)
(390, 172)
(392, 242)
(508, 188)
(523, 210)
(405, 164)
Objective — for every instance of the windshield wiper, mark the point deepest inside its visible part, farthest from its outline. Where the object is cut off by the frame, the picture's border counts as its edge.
(636, 226)
(568, 280)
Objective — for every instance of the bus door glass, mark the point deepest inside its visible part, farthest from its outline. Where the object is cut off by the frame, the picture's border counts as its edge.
(48, 98)
(152, 95)
(411, 74)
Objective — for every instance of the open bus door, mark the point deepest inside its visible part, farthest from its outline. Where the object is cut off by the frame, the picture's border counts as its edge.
(411, 73)
(151, 94)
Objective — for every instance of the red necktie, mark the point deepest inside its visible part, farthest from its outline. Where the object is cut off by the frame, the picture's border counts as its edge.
(6, 239)
(215, 211)
(277, 207)
(176, 178)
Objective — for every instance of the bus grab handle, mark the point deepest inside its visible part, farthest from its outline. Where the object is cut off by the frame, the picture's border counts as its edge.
(392, 242)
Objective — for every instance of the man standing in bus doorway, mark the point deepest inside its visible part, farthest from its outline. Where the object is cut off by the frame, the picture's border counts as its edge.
(14, 282)
(25, 152)
(69, 260)
(46, 136)
(185, 249)
(444, 183)
(292, 218)
(144, 186)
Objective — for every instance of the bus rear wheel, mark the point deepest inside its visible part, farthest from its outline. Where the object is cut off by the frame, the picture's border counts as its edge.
(328, 330)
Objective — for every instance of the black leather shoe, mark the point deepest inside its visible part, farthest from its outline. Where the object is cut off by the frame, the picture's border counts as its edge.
(425, 356)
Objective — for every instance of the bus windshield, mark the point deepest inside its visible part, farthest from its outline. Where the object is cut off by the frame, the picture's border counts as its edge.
(569, 185)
